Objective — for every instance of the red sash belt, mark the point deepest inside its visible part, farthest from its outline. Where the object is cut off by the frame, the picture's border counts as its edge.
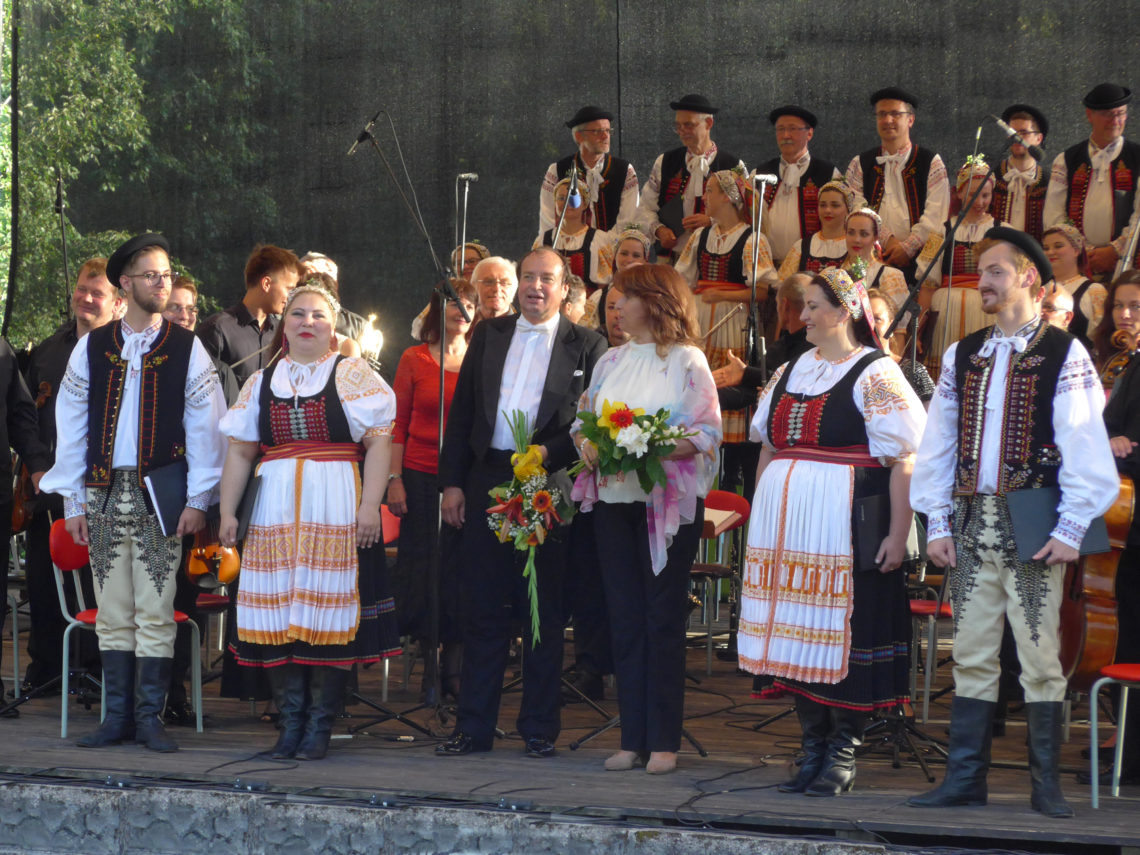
(308, 449)
(852, 455)
(709, 285)
(961, 280)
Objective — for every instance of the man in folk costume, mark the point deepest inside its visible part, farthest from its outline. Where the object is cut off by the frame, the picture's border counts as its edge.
(793, 205)
(138, 394)
(681, 173)
(539, 363)
(612, 181)
(901, 181)
(1093, 184)
(1018, 406)
(1019, 191)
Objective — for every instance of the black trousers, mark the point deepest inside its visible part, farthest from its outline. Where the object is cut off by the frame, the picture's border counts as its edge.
(586, 601)
(647, 621)
(495, 600)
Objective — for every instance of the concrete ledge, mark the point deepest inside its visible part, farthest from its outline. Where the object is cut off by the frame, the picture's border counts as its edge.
(45, 819)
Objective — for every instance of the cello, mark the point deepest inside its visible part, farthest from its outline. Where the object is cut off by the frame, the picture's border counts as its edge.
(1088, 608)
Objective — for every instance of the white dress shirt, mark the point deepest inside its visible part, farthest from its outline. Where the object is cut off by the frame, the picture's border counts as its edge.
(524, 376)
(893, 209)
(1098, 214)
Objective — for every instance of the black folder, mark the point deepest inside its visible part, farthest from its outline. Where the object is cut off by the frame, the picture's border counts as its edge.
(870, 523)
(1033, 514)
(166, 487)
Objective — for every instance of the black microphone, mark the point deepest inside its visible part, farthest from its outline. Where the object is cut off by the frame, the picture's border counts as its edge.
(468, 176)
(1014, 137)
(366, 133)
(574, 198)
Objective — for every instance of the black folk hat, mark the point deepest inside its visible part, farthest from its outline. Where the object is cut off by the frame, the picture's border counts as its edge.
(694, 104)
(122, 255)
(1026, 244)
(792, 110)
(893, 93)
(1107, 96)
(1038, 117)
(589, 113)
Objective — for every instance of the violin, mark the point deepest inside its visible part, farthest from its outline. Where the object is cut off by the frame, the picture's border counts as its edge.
(209, 564)
(1088, 609)
(1114, 366)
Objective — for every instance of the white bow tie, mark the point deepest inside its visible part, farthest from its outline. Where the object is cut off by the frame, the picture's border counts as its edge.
(524, 326)
(1023, 176)
(1102, 159)
(898, 157)
(1016, 342)
(135, 346)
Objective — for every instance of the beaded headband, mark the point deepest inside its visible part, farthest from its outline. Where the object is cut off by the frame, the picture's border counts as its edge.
(1071, 233)
(634, 233)
(583, 189)
(732, 182)
(310, 286)
(851, 293)
(870, 214)
(480, 249)
(841, 188)
(974, 167)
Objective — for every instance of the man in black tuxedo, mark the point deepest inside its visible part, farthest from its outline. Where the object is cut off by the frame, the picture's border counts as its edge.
(537, 362)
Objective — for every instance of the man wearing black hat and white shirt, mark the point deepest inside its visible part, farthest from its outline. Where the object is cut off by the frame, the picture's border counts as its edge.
(1020, 181)
(793, 204)
(612, 181)
(1093, 183)
(905, 183)
(125, 386)
(1018, 405)
(676, 186)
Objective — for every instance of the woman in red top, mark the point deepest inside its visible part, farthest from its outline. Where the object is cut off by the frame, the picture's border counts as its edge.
(413, 493)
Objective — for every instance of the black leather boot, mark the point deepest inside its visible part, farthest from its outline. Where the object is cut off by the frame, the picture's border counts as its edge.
(326, 691)
(838, 773)
(968, 761)
(288, 684)
(1045, 720)
(119, 710)
(152, 679)
(815, 724)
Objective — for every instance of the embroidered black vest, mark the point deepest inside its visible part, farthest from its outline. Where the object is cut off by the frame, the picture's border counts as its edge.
(818, 173)
(915, 174)
(1029, 456)
(814, 263)
(1002, 207)
(1123, 175)
(311, 418)
(162, 399)
(608, 204)
(578, 259)
(965, 257)
(721, 267)
(675, 175)
(1079, 325)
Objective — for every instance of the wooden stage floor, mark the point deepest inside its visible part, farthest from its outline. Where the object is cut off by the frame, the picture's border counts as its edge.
(733, 788)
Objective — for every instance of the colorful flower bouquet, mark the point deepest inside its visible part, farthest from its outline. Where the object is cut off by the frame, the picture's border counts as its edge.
(527, 507)
(629, 441)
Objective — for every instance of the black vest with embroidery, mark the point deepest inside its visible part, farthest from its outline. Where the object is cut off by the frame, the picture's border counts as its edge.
(675, 175)
(1002, 207)
(814, 263)
(579, 259)
(1123, 172)
(964, 257)
(308, 418)
(915, 175)
(161, 437)
(818, 173)
(1028, 453)
(721, 267)
(1079, 325)
(608, 204)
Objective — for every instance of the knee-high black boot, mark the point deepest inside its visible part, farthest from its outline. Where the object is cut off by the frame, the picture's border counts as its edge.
(1045, 721)
(968, 761)
(838, 773)
(152, 677)
(288, 684)
(119, 712)
(326, 691)
(815, 724)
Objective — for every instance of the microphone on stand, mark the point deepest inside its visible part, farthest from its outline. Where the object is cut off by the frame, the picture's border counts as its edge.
(765, 179)
(1014, 137)
(574, 198)
(366, 133)
(468, 176)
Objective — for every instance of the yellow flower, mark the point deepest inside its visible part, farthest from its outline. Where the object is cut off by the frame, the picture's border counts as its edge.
(616, 416)
(528, 465)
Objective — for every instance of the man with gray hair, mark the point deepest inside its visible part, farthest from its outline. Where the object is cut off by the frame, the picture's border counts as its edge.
(496, 281)
(673, 204)
(612, 181)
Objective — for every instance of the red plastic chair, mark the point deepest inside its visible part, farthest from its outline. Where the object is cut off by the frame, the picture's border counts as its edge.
(68, 556)
(1127, 676)
(710, 574)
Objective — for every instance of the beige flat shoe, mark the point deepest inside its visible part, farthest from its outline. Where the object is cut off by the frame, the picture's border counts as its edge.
(661, 763)
(623, 761)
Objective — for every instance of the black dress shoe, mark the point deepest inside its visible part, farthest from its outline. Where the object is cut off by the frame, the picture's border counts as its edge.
(459, 744)
(180, 715)
(536, 746)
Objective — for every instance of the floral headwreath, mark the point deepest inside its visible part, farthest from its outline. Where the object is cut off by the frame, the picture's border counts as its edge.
(870, 214)
(840, 187)
(974, 167)
(312, 286)
(734, 183)
(1072, 235)
(852, 292)
(634, 233)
